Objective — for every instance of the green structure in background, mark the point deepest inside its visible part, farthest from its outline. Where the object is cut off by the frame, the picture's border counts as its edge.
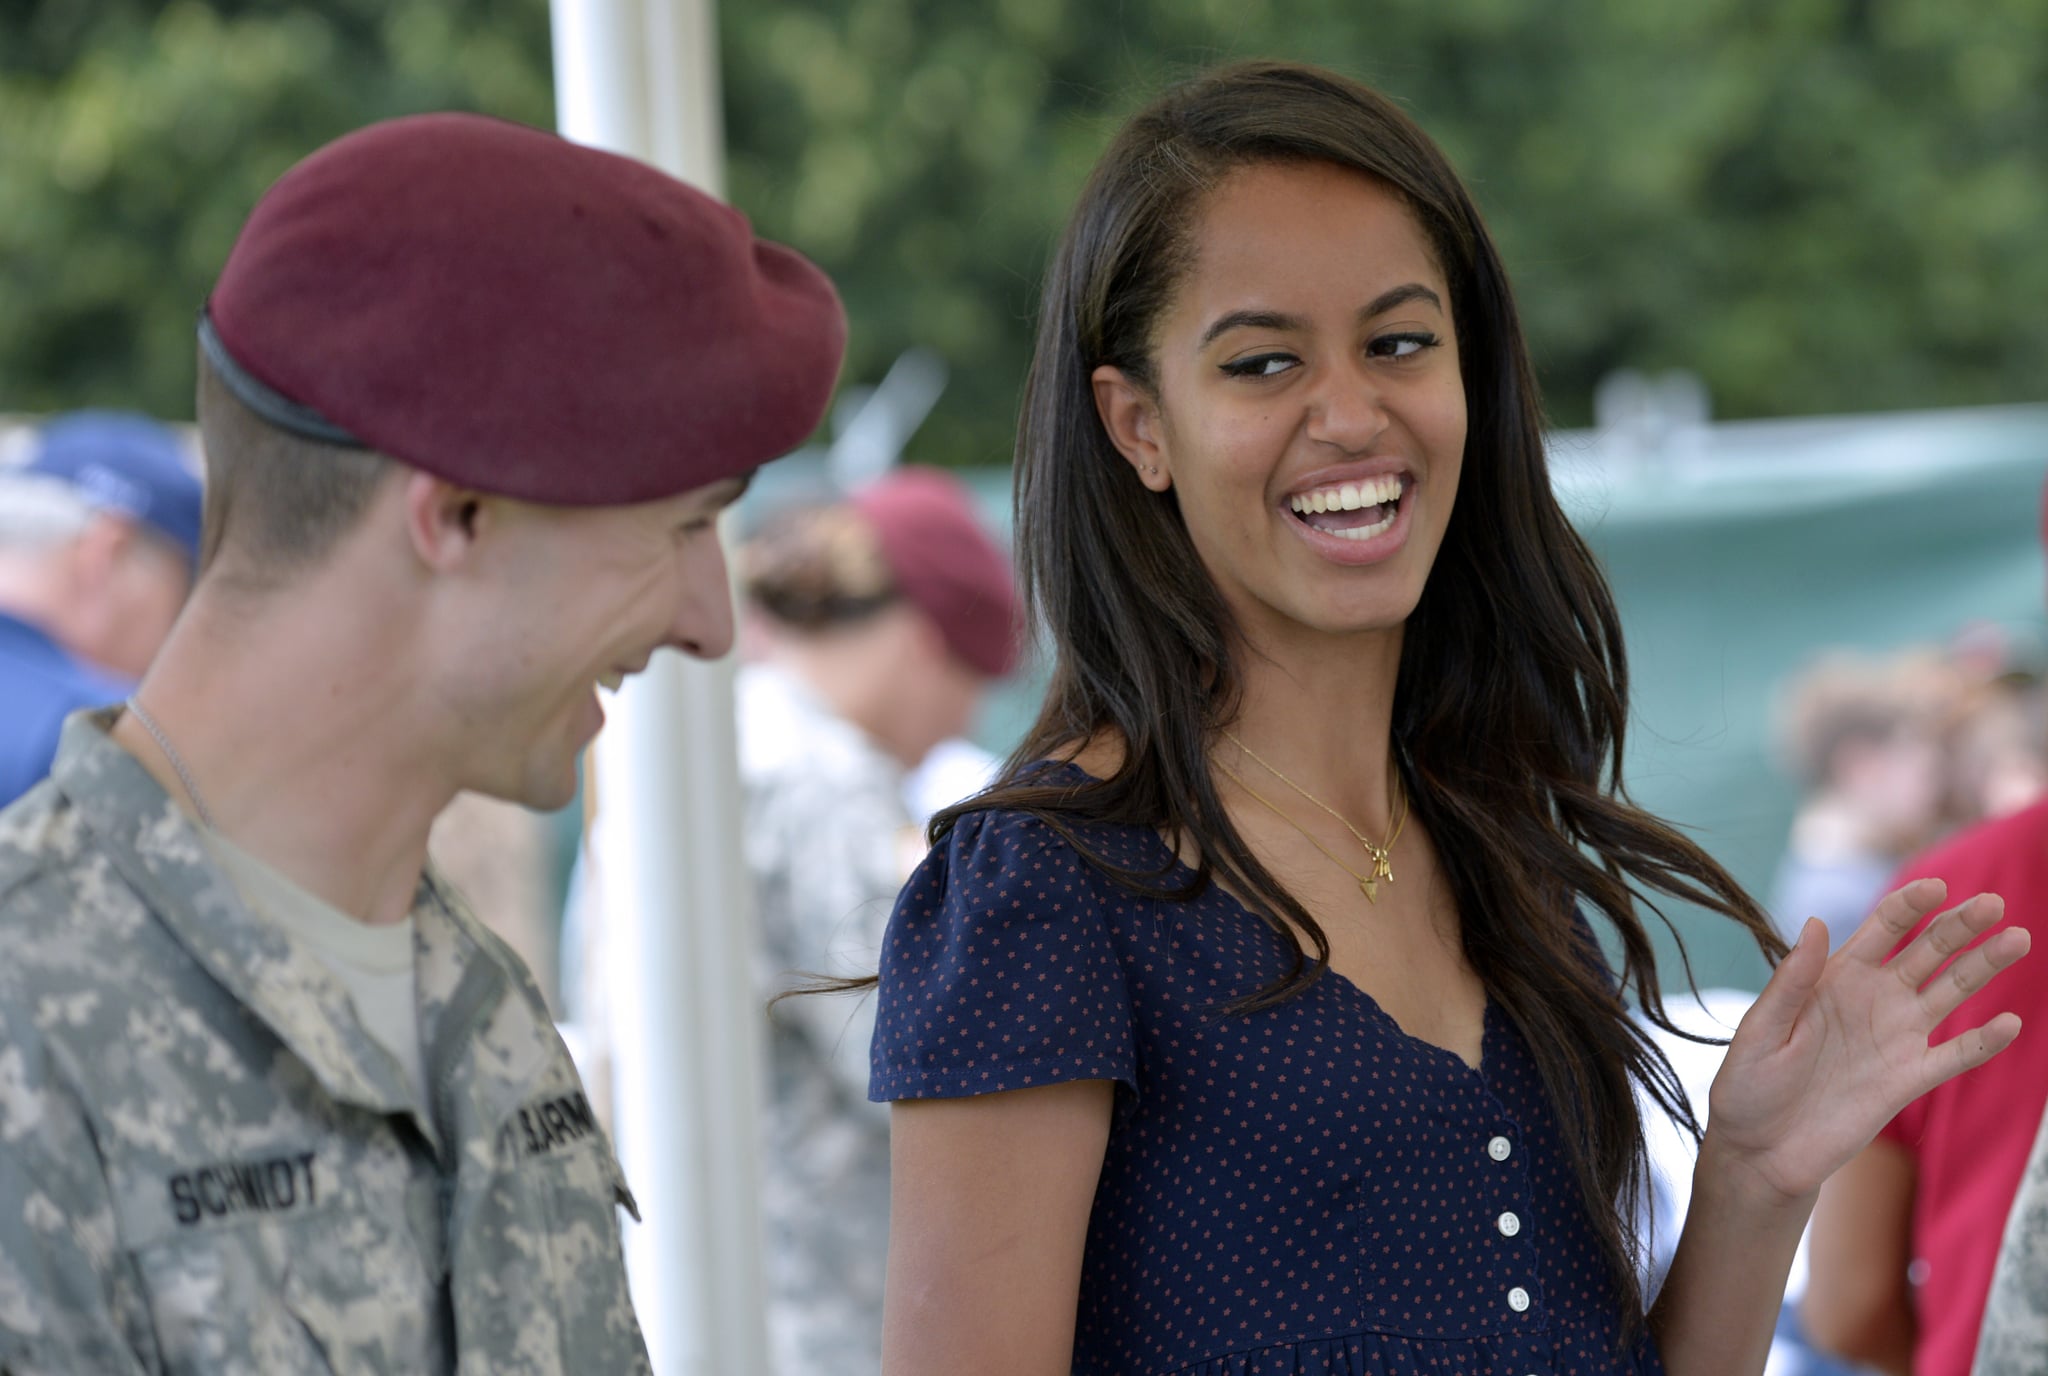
(1740, 551)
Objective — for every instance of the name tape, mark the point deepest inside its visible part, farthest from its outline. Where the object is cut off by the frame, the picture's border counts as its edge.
(272, 1185)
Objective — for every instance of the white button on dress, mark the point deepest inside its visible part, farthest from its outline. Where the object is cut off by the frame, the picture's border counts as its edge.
(1508, 1224)
(1518, 1299)
(1499, 1148)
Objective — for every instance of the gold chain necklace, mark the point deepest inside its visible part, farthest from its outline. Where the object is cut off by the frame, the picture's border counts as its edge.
(1381, 855)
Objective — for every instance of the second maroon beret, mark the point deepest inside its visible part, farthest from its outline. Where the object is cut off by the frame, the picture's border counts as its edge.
(523, 315)
(945, 564)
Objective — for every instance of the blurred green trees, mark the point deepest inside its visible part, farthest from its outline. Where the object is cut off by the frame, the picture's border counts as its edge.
(135, 135)
(1818, 205)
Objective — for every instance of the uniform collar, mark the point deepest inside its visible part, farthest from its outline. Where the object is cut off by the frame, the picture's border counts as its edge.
(482, 1050)
(159, 851)
(487, 1035)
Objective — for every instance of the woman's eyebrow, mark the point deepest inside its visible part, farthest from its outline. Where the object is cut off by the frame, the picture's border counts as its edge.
(1400, 296)
(1257, 320)
(1277, 320)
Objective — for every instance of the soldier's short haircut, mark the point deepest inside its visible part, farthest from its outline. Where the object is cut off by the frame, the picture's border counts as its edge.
(277, 501)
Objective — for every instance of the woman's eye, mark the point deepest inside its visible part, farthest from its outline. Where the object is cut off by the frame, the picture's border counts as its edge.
(1402, 345)
(1259, 365)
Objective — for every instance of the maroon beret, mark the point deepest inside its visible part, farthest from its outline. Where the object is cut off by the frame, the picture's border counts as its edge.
(945, 564)
(519, 314)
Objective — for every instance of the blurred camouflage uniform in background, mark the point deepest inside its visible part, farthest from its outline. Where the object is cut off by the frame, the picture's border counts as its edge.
(208, 1165)
(2014, 1341)
(826, 832)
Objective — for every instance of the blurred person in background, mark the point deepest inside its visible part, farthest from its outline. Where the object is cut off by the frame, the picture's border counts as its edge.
(1997, 739)
(873, 627)
(877, 624)
(1865, 738)
(99, 538)
(272, 1099)
(1906, 1236)
(1996, 763)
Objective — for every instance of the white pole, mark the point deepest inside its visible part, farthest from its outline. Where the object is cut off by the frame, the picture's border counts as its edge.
(640, 77)
(686, 129)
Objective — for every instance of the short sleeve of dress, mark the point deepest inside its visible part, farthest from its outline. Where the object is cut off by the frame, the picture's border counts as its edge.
(999, 969)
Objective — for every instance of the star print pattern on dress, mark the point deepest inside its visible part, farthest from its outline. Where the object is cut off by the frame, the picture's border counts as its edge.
(1304, 1191)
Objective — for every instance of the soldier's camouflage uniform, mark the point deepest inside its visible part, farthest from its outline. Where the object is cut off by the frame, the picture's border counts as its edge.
(2014, 1339)
(825, 817)
(208, 1165)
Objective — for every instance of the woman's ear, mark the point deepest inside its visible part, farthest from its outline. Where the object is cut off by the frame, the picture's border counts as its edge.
(442, 520)
(1131, 417)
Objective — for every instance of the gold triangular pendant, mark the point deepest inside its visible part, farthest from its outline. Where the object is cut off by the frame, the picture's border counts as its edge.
(1371, 889)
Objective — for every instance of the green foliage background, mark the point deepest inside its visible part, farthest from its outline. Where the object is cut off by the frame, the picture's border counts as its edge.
(1818, 205)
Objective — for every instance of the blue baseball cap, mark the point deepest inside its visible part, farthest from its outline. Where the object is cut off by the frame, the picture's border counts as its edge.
(122, 462)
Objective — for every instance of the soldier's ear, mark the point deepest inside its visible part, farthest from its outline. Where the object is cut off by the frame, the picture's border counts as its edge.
(444, 522)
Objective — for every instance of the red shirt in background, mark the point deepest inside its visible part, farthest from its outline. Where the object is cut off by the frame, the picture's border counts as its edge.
(1970, 1137)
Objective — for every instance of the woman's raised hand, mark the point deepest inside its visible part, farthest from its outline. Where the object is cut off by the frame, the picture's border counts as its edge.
(1834, 1046)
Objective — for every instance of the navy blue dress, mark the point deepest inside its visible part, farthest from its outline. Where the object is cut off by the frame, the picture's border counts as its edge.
(1305, 1191)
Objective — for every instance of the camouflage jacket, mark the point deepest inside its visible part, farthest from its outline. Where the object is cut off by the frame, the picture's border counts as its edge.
(207, 1165)
(824, 823)
(2014, 1339)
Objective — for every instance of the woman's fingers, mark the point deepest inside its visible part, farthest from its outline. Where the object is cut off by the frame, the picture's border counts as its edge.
(1895, 915)
(1770, 1020)
(1972, 970)
(1947, 934)
(1968, 1050)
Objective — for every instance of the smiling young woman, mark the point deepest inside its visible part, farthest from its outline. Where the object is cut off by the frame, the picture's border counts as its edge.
(1256, 1022)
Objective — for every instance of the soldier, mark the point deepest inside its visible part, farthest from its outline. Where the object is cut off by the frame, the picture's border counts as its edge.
(271, 1099)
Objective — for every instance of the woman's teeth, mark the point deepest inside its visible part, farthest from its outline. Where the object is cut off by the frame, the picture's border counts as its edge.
(1381, 495)
(611, 681)
(1349, 496)
(1378, 527)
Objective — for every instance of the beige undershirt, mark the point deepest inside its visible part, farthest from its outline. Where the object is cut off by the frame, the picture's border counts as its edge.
(374, 963)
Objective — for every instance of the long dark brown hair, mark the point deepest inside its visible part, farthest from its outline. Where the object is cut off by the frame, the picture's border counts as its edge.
(1511, 699)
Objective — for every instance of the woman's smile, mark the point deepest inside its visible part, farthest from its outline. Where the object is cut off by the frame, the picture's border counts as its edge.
(1355, 517)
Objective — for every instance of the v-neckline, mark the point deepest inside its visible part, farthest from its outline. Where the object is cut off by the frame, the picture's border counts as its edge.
(1488, 1011)
(1489, 1018)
